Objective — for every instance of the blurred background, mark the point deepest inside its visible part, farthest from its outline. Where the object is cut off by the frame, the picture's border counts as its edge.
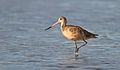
(24, 45)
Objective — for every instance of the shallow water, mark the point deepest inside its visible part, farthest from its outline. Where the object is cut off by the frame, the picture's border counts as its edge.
(24, 45)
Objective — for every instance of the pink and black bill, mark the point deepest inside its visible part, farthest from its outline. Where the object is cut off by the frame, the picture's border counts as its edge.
(48, 28)
(52, 26)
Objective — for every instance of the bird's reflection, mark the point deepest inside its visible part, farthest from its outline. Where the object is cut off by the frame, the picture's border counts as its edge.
(72, 61)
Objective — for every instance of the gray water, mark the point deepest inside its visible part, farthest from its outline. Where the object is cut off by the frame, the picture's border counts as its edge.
(24, 45)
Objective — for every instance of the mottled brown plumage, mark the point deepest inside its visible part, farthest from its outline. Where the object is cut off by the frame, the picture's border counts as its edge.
(76, 33)
(73, 33)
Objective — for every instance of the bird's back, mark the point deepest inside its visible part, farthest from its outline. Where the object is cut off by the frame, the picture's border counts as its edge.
(75, 33)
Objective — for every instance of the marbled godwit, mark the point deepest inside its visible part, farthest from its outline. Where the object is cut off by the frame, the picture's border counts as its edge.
(73, 33)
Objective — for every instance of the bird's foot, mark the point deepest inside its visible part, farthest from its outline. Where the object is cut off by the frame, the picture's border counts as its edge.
(76, 52)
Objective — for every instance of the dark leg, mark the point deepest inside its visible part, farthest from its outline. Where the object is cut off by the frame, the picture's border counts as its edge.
(76, 54)
(76, 51)
(75, 45)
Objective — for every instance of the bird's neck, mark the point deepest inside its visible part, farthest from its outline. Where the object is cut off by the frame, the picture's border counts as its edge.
(63, 25)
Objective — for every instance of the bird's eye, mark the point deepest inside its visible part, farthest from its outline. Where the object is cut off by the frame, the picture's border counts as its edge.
(60, 18)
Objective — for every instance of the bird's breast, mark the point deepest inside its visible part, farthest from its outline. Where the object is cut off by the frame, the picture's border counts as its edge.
(71, 34)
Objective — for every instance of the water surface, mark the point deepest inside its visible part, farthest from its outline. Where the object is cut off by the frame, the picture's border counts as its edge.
(24, 45)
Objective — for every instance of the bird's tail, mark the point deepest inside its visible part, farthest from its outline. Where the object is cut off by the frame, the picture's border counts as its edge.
(94, 35)
(90, 35)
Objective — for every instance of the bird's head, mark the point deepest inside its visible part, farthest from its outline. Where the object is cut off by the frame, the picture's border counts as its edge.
(61, 20)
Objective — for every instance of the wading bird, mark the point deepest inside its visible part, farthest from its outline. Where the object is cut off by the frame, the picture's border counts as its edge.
(73, 33)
